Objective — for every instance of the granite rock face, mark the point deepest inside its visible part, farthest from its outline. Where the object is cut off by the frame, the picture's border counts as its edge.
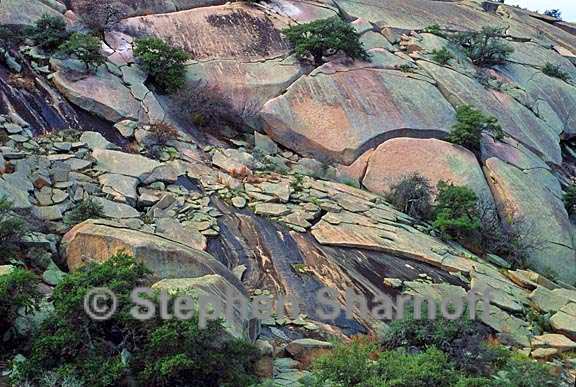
(324, 114)
(435, 159)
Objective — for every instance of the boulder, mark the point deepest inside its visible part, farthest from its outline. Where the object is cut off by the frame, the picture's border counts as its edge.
(516, 119)
(147, 7)
(174, 230)
(24, 12)
(307, 349)
(434, 159)
(533, 196)
(96, 241)
(124, 163)
(215, 287)
(253, 58)
(102, 94)
(564, 320)
(116, 210)
(325, 116)
(122, 188)
(95, 140)
(549, 340)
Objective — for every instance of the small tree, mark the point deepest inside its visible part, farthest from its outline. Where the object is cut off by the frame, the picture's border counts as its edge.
(163, 62)
(18, 290)
(469, 127)
(555, 13)
(555, 71)
(325, 37)
(48, 32)
(456, 213)
(442, 56)
(86, 209)
(485, 48)
(12, 227)
(412, 195)
(84, 47)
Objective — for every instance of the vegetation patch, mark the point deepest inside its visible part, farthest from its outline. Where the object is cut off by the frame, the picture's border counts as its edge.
(412, 195)
(163, 63)
(442, 56)
(556, 71)
(324, 37)
(485, 48)
(85, 48)
(49, 32)
(470, 125)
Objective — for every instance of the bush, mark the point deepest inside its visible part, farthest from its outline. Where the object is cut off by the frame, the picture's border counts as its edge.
(442, 56)
(155, 352)
(555, 13)
(163, 63)
(569, 199)
(208, 107)
(325, 37)
(485, 48)
(348, 364)
(434, 29)
(18, 290)
(86, 209)
(161, 133)
(102, 15)
(556, 71)
(412, 195)
(12, 227)
(48, 32)
(455, 212)
(470, 125)
(85, 48)
(515, 240)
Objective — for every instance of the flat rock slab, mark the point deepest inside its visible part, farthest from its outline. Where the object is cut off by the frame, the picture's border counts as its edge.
(235, 32)
(124, 163)
(516, 119)
(99, 240)
(24, 12)
(534, 195)
(554, 99)
(435, 159)
(148, 7)
(326, 116)
(417, 14)
(103, 94)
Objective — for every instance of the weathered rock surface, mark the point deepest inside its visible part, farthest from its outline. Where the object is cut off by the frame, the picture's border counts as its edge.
(124, 163)
(520, 195)
(325, 116)
(99, 240)
(437, 160)
(516, 120)
(24, 12)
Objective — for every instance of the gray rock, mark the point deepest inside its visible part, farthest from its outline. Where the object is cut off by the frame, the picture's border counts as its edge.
(124, 163)
(95, 140)
(126, 128)
(116, 210)
(263, 143)
(122, 188)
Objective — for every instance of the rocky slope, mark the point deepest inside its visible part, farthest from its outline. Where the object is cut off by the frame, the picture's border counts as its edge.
(216, 214)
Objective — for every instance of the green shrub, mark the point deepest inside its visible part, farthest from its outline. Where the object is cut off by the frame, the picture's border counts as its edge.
(434, 29)
(556, 71)
(48, 32)
(569, 199)
(85, 48)
(470, 125)
(412, 195)
(455, 212)
(12, 228)
(155, 352)
(521, 371)
(428, 368)
(442, 56)
(163, 63)
(555, 13)
(86, 209)
(485, 48)
(349, 364)
(18, 290)
(323, 37)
